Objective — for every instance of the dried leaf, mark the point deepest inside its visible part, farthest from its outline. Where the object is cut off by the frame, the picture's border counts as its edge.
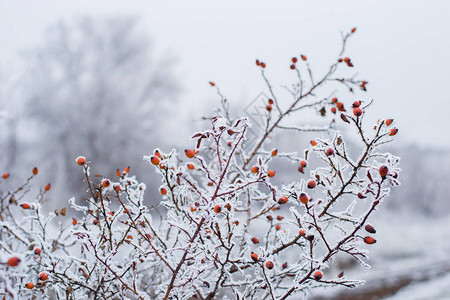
(323, 112)
(344, 118)
(369, 176)
(231, 131)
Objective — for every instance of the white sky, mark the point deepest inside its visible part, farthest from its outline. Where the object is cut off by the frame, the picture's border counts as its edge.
(401, 47)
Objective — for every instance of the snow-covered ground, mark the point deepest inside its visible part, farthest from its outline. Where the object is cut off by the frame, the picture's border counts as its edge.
(437, 288)
(409, 261)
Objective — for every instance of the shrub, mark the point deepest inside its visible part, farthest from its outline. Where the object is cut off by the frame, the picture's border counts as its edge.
(223, 228)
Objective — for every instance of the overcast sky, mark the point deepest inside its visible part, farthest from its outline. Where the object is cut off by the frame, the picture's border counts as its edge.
(401, 47)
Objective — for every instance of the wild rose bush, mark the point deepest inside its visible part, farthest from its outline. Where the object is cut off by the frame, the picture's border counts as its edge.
(223, 229)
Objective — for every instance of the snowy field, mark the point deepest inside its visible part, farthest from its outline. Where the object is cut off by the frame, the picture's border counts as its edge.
(409, 261)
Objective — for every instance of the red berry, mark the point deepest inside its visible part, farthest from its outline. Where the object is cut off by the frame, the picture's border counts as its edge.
(217, 209)
(346, 59)
(313, 143)
(388, 122)
(254, 256)
(189, 153)
(105, 182)
(35, 171)
(255, 240)
(333, 110)
(303, 57)
(47, 187)
(363, 87)
(25, 206)
(81, 160)
(329, 152)
(270, 101)
(269, 265)
(357, 103)
(157, 153)
(369, 240)
(294, 60)
(383, 171)
(274, 152)
(43, 276)
(269, 107)
(334, 100)
(361, 195)
(116, 187)
(303, 163)
(271, 173)
(302, 232)
(255, 169)
(283, 200)
(191, 166)
(212, 83)
(29, 285)
(155, 160)
(357, 111)
(163, 191)
(317, 275)
(311, 184)
(353, 29)
(5, 175)
(263, 65)
(37, 251)
(370, 229)
(393, 131)
(292, 67)
(13, 261)
(303, 198)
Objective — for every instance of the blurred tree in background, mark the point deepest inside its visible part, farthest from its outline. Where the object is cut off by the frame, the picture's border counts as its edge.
(93, 87)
